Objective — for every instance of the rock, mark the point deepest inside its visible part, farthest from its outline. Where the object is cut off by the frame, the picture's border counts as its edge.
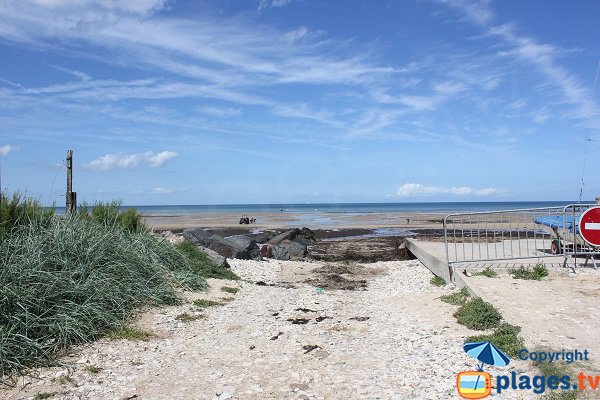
(198, 236)
(262, 237)
(247, 243)
(303, 236)
(266, 251)
(216, 243)
(215, 257)
(171, 237)
(307, 234)
(288, 249)
(228, 249)
(243, 241)
(287, 235)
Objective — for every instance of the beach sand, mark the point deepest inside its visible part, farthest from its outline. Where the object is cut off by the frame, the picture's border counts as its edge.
(313, 220)
(284, 339)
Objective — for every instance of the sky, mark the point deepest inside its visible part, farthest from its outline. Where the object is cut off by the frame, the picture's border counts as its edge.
(295, 101)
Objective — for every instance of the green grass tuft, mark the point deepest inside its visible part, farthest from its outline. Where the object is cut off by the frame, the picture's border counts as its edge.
(44, 395)
(228, 289)
(438, 281)
(202, 264)
(505, 337)
(204, 303)
(478, 315)
(488, 272)
(129, 332)
(457, 298)
(92, 369)
(537, 273)
(185, 317)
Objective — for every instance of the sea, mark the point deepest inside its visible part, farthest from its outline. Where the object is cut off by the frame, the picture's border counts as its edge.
(349, 208)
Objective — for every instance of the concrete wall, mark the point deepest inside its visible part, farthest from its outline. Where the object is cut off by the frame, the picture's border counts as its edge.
(438, 266)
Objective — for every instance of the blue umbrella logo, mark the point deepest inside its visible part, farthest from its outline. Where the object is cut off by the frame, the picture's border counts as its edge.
(486, 353)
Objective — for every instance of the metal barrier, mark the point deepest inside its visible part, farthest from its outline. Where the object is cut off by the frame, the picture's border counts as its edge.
(500, 236)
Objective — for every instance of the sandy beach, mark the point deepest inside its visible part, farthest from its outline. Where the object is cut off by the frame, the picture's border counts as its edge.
(313, 220)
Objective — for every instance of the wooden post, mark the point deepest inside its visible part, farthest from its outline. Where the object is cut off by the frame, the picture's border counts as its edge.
(71, 202)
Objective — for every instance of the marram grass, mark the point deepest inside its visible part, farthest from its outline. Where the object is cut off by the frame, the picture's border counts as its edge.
(66, 281)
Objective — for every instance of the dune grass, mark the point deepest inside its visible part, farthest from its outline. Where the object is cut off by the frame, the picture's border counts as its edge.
(67, 281)
(16, 210)
(202, 264)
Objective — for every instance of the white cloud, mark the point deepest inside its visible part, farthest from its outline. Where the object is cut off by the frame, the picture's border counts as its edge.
(543, 56)
(417, 189)
(295, 34)
(6, 150)
(262, 4)
(130, 6)
(110, 162)
(421, 103)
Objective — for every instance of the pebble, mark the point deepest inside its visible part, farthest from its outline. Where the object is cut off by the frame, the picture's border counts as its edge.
(403, 350)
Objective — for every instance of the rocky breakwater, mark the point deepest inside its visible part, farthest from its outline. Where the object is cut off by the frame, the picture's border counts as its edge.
(269, 244)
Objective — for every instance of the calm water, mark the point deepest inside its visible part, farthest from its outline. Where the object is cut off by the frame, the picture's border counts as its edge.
(350, 208)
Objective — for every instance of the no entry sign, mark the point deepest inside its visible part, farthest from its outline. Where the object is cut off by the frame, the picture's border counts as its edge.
(589, 226)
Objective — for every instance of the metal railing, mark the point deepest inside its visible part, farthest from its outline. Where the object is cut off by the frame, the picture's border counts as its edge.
(497, 236)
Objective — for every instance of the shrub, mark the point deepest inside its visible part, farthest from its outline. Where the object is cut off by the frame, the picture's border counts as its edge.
(68, 281)
(505, 337)
(438, 281)
(537, 273)
(479, 315)
(457, 298)
(488, 272)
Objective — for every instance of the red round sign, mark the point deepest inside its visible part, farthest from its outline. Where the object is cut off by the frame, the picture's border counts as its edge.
(589, 226)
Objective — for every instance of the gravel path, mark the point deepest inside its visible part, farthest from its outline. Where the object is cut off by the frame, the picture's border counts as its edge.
(395, 340)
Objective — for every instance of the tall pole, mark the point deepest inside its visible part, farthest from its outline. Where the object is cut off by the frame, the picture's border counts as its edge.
(69, 195)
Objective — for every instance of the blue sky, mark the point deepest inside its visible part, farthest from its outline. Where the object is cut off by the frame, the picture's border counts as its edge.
(210, 102)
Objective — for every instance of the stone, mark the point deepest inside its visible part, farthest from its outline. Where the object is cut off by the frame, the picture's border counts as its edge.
(287, 249)
(287, 235)
(216, 243)
(243, 241)
(262, 237)
(215, 257)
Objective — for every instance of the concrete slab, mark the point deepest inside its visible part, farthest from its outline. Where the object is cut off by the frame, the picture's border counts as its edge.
(559, 312)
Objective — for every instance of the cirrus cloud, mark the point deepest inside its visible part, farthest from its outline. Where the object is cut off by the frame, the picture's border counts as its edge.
(417, 189)
(109, 162)
(6, 150)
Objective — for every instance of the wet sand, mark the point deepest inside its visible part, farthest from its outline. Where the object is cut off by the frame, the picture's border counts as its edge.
(316, 220)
